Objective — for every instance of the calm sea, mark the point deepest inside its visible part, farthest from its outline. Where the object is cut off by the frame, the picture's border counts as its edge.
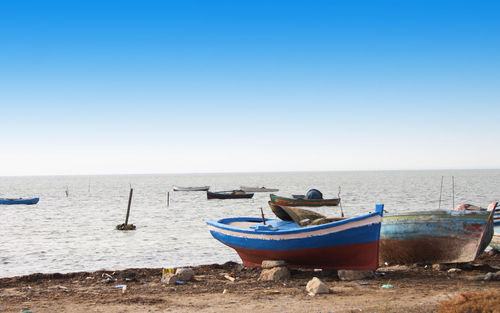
(77, 232)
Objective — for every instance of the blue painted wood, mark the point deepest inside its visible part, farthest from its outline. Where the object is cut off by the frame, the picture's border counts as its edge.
(496, 215)
(432, 223)
(8, 201)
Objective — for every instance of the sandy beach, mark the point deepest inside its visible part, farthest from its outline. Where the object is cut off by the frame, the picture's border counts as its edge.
(416, 288)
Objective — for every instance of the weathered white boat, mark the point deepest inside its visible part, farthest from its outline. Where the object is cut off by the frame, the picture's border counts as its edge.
(257, 189)
(181, 188)
(436, 236)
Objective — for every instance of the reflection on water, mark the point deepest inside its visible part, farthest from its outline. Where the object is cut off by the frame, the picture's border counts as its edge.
(77, 233)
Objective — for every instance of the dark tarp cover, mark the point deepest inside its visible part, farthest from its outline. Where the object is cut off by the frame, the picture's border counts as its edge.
(314, 194)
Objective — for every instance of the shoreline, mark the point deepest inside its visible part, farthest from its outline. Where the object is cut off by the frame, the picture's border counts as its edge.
(414, 289)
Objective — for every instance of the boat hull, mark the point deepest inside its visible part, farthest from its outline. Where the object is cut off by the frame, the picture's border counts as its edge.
(283, 201)
(434, 236)
(348, 257)
(180, 188)
(495, 242)
(217, 195)
(29, 201)
(258, 189)
(349, 244)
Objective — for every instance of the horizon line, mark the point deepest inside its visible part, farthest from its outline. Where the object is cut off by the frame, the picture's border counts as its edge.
(256, 172)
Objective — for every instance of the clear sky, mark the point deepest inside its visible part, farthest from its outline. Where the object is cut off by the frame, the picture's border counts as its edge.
(103, 87)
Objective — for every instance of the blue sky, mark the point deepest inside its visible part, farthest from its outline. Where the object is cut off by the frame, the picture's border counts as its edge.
(96, 87)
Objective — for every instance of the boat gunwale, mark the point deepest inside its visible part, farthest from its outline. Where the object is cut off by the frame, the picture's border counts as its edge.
(437, 213)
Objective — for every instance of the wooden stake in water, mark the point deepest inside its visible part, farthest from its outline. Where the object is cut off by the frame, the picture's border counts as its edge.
(441, 192)
(453, 190)
(168, 199)
(128, 207)
(67, 191)
(340, 203)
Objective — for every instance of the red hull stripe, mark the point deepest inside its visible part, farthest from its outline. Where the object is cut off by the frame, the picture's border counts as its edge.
(360, 256)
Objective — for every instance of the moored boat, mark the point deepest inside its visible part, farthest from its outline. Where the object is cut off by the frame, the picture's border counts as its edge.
(351, 243)
(283, 201)
(436, 236)
(181, 188)
(258, 189)
(9, 201)
(235, 194)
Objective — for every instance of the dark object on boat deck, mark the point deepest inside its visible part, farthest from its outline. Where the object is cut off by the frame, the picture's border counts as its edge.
(299, 196)
(300, 216)
(314, 194)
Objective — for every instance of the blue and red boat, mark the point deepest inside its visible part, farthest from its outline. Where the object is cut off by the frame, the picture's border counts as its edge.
(8, 201)
(351, 243)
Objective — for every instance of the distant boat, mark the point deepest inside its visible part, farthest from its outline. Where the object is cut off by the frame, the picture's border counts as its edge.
(437, 236)
(235, 194)
(258, 189)
(350, 244)
(283, 201)
(181, 188)
(19, 201)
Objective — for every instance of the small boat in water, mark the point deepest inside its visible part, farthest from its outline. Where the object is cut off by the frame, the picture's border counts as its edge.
(19, 200)
(436, 236)
(283, 201)
(351, 243)
(235, 194)
(258, 189)
(181, 188)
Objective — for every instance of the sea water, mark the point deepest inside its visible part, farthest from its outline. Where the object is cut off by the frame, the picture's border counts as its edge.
(72, 228)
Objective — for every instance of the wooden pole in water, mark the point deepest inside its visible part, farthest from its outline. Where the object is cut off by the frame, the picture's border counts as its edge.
(128, 207)
(340, 203)
(441, 192)
(453, 190)
(168, 199)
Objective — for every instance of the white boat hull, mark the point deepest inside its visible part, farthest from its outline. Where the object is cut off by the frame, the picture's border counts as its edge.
(200, 188)
(258, 189)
